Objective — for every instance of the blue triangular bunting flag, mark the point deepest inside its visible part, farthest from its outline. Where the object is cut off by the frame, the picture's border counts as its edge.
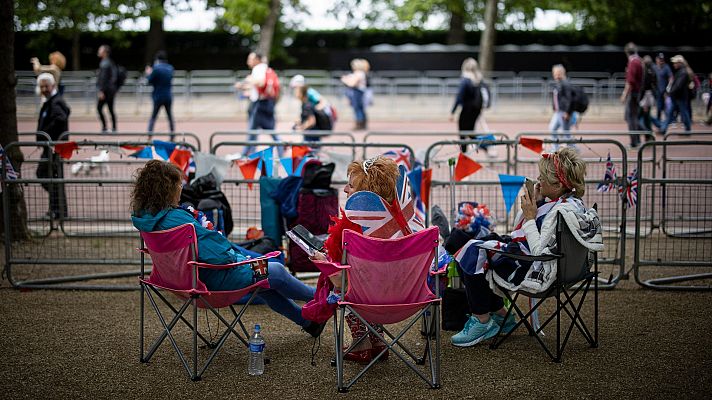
(286, 164)
(164, 149)
(511, 184)
(145, 152)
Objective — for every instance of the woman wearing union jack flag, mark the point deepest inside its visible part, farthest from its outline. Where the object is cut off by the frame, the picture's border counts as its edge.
(559, 190)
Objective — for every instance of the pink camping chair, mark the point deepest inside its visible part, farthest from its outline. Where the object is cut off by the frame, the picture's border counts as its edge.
(173, 253)
(387, 284)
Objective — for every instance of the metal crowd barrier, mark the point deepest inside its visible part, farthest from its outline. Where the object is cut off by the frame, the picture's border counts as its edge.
(684, 241)
(246, 202)
(93, 240)
(242, 135)
(186, 138)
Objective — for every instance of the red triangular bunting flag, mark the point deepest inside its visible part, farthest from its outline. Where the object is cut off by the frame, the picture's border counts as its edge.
(425, 186)
(465, 167)
(181, 158)
(300, 151)
(65, 149)
(248, 169)
(132, 148)
(535, 145)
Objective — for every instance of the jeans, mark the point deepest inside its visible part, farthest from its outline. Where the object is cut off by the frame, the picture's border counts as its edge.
(109, 101)
(261, 116)
(558, 122)
(356, 98)
(157, 104)
(284, 289)
(679, 105)
(632, 109)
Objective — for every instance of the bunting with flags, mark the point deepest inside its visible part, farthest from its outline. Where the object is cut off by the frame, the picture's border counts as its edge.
(10, 172)
(465, 167)
(533, 144)
(609, 178)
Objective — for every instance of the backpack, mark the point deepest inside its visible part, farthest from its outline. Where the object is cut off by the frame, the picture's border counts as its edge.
(121, 75)
(650, 79)
(579, 99)
(271, 88)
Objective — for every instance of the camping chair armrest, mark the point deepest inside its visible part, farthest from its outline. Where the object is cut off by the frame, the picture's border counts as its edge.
(522, 257)
(330, 268)
(145, 251)
(232, 265)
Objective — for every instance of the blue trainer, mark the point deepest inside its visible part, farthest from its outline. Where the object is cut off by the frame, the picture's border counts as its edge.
(474, 332)
(508, 326)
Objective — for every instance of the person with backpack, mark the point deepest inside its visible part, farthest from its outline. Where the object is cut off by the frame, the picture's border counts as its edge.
(160, 76)
(264, 89)
(647, 95)
(312, 117)
(106, 86)
(469, 98)
(562, 104)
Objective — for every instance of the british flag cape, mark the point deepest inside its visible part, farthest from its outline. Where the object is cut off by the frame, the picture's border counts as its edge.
(535, 239)
(382, 220)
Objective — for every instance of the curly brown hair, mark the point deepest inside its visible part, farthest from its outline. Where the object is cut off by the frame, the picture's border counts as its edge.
(155, 187)
(381, 177)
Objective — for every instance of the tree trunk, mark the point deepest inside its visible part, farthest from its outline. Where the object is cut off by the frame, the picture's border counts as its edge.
(156, 39)
(76, 63)
(487, 39)
(8, 123)
(267, 29)
(456, 32)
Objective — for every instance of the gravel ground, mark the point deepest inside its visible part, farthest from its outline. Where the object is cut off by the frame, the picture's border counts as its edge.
(79, 344)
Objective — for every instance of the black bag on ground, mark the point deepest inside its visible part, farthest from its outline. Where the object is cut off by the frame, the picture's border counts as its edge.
(455, 309)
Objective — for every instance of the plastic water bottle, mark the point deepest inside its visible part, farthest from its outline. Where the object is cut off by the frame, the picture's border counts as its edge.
(256, 364)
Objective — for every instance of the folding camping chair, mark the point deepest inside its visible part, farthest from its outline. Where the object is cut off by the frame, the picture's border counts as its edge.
(573, 272)
(387, 284)
(173, 253)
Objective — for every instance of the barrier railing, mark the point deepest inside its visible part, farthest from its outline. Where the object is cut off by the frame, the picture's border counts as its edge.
(79, 229)
(684, 242)
(242, 135)
(187, 138)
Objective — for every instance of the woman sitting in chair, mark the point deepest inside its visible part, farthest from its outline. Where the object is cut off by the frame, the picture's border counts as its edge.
(154, 205)
(560, 188)
(380, 176)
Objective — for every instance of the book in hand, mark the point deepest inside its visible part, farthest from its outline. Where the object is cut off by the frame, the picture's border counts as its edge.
(306, 240)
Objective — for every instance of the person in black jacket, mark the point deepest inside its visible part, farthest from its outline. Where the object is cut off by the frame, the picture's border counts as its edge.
(106, 86)
(561, 103)
(53, 120)
(678, 92)
(469, 97)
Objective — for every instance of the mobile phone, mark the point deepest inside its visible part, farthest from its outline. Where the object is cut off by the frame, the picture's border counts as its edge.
(530, 187)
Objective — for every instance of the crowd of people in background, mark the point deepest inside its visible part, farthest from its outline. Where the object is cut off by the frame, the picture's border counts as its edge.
(655, 95)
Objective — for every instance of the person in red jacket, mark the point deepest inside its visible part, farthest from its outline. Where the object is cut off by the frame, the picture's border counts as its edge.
(631, 91)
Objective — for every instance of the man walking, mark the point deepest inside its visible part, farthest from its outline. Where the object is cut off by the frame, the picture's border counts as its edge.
(561, 101)
(106, 86)
(679, 93)
(161, 77)
(53, 120)
(263, 85)
(664, 74)
(631, 92)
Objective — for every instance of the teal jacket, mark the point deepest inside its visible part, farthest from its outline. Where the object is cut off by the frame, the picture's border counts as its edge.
(213, 248)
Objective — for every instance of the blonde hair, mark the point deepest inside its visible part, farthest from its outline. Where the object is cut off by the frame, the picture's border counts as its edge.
(360, 64)
(57, 59)
(378, 175)
(471, 70)
(571, 165)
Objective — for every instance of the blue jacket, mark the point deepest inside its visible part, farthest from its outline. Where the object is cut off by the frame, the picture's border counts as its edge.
(213, 248)
(161, 78)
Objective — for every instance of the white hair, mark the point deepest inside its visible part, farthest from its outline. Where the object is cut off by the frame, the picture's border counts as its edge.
(46, 76)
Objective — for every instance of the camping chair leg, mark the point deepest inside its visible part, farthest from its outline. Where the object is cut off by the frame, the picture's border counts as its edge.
(558, 324)
(340, 351)
(142, 322)
(576, 315)
(167, 333)
(195, 376)
(595, 301)
(436, 365)
(182, 318)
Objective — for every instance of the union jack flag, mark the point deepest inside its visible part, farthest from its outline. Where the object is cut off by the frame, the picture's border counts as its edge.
(9, 170)
(401, 157)
(630, 192)
(609, 179)
(376, 217)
